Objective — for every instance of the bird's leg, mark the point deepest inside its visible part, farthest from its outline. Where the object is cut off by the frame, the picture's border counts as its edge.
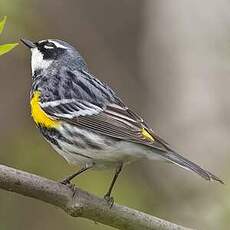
(69, 178)
(108, 196)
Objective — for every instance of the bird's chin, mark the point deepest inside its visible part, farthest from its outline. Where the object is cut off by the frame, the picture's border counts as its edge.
(38, 61)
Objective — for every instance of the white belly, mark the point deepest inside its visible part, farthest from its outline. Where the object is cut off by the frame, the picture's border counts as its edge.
(87, 148)
(124, 152)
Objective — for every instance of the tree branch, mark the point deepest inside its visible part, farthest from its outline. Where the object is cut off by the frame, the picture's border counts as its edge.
(79, 203)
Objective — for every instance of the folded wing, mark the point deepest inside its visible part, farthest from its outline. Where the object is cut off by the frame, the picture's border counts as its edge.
(119, 122)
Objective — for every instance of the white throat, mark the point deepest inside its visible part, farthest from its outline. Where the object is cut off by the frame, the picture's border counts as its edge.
(37, 60)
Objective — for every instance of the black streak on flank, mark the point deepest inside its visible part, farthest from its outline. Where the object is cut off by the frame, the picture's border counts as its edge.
(52, 135)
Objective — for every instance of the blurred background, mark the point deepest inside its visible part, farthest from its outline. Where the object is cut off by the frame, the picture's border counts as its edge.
(169, 61)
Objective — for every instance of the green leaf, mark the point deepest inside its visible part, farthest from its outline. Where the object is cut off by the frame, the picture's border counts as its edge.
(7, 47)
(2, 24)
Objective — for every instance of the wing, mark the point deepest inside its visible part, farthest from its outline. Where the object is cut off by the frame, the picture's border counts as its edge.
(113, 120)
(118, 122)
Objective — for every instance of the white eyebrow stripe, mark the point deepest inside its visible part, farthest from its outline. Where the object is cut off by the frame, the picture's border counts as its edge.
(42, 41)
(57, 44)
(48, 47)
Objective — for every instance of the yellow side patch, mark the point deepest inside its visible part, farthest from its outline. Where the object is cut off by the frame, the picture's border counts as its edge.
(39, 116)
(146, 135)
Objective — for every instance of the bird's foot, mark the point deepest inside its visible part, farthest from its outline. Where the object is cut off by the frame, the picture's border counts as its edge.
(109, 199)
(67, 182)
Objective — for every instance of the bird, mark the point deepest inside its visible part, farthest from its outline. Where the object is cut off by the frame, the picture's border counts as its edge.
(85, 121)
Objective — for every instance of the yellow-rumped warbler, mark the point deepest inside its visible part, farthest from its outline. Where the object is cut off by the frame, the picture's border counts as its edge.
(85, 121)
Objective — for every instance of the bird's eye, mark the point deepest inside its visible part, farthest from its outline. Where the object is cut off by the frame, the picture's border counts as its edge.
(49, 45)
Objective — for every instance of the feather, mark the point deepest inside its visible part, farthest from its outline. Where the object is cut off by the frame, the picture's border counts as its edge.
(95, 107)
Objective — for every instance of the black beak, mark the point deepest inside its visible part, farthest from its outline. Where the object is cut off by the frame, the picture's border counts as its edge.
(28, 43)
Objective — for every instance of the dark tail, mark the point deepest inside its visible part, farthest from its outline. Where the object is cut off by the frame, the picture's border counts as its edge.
(189, 165)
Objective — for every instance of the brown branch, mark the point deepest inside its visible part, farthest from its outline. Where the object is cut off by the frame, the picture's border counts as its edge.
(79, 203)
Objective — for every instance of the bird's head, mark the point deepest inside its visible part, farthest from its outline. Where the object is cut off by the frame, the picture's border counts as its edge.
(52, 51)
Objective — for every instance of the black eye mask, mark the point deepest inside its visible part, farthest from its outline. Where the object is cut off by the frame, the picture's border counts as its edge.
(49, 50)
